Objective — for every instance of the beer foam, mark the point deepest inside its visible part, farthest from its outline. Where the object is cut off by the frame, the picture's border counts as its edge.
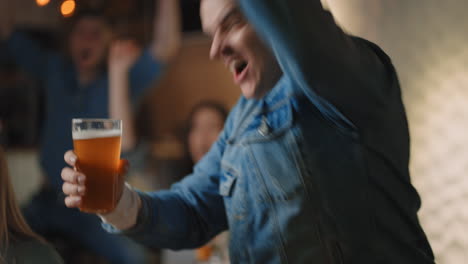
(95, 133)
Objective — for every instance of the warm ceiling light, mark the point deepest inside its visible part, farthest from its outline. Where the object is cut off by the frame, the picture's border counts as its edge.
(42, 2)
(67, 8)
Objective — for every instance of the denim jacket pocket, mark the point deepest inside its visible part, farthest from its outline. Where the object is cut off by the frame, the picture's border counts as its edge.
(275, 152)
(269, 125)
(227, 183)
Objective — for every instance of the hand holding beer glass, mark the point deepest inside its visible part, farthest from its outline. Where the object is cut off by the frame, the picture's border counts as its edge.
(95, 184)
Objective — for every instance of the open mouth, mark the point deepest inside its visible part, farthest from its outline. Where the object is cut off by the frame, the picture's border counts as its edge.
(238, 68)
(85, 54)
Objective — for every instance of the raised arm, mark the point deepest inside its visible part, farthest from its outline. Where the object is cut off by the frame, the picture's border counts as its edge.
(130, 77)
(122, 56)
(187, 216)
(348, 72)
(166, 30)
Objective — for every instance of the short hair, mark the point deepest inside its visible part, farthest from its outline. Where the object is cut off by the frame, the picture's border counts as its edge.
(84, 13)
(207, 104)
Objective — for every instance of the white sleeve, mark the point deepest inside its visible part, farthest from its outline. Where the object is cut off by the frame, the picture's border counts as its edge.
(125, 214)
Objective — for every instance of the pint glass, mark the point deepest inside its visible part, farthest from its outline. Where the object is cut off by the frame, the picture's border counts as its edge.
(97, 144)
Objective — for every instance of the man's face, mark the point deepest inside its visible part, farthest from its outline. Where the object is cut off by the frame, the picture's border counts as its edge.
(89, 42)
(237, 45)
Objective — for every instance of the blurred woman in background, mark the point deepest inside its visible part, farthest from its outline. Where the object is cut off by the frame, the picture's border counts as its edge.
(18, 243)
(205, 123)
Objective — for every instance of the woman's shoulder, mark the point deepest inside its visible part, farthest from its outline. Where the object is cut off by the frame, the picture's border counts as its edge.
(33, 251)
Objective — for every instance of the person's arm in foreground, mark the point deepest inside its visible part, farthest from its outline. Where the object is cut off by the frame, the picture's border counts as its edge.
(314, 52)
(187, 216)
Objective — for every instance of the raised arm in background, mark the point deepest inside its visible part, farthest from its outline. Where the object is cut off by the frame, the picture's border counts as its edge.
(123, 55)
(166, 30)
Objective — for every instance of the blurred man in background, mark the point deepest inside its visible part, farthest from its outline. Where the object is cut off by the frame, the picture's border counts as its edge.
(99, 77)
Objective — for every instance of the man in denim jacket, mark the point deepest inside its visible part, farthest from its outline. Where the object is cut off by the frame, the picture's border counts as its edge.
(312, 165)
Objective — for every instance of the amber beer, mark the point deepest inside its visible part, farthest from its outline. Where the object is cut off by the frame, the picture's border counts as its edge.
(97, 144)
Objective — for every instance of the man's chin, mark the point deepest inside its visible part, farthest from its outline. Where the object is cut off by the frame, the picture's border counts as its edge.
(248, 91)
(253, 91)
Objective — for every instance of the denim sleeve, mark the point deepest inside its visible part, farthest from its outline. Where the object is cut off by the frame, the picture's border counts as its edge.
(189, 214)
(143, 74)
(27, 54)
(337, 72)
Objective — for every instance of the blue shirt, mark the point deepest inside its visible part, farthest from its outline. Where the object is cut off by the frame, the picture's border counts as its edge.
(314, 172)
(66, 99)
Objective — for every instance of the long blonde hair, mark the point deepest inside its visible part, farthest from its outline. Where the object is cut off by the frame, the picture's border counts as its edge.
(13, 227)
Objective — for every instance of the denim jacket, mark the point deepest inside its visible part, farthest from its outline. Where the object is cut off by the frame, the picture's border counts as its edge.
(314, 172)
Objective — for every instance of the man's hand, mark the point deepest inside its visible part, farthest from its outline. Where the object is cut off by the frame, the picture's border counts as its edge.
(74, 182)
(74, 185)
(122, 55)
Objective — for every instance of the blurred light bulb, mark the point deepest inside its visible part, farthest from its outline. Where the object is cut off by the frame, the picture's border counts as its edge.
(42, 2)
(67, 8)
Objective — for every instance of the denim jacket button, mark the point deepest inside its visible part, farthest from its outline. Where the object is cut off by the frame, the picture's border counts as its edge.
(264, 129)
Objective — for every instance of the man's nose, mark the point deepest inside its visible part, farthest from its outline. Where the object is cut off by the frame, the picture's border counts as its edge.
(215, 47)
